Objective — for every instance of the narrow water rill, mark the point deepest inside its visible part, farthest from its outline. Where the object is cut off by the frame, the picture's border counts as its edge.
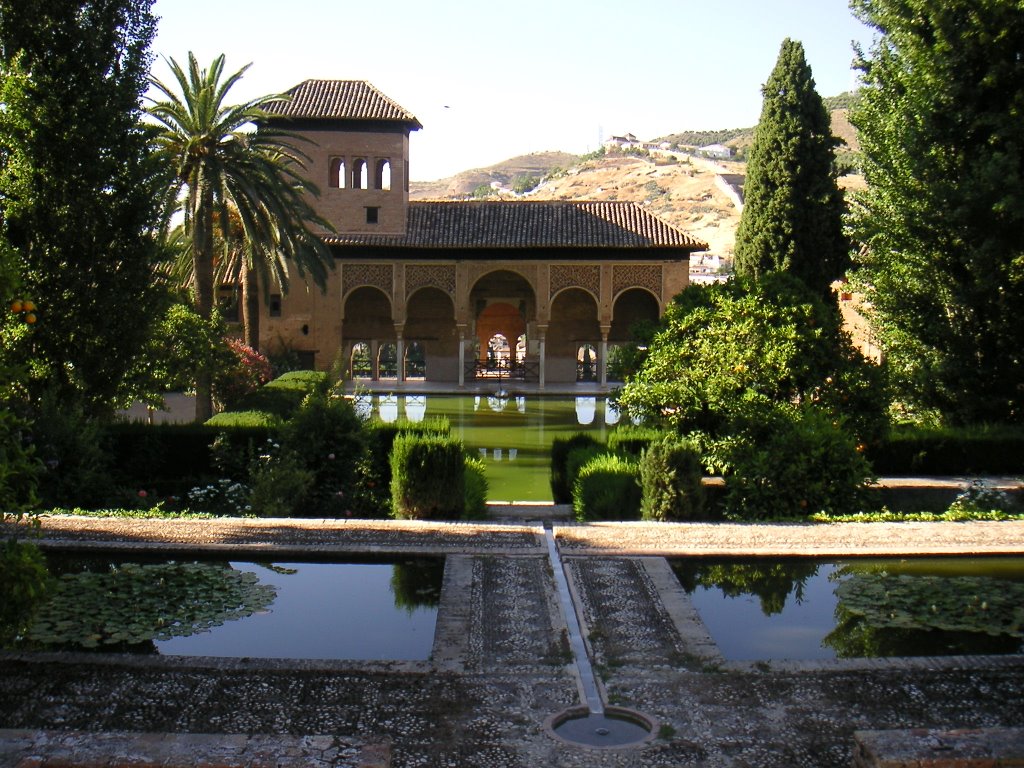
(592, 724)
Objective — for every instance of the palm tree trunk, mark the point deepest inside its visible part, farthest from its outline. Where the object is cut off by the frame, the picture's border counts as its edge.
(202, 254)
(250, 306)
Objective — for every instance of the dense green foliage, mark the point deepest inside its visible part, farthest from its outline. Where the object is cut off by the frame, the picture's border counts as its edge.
(942, 220)
(607, 488)
(79, 202)
(561, 485)
(24, 582)
(950, 451)
(792, 213)
(427, 477)
(226, 171)
(779, 400)
(374, 498)
(671, 471)
(475, 489)
(632, 441)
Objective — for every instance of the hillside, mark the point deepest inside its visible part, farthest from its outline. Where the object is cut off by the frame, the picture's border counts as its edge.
(686, 191)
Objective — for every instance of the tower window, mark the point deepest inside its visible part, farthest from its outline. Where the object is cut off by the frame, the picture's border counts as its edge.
(275, 305)
(372, 215)
(382, 175)
(359, 174)
(336, 174)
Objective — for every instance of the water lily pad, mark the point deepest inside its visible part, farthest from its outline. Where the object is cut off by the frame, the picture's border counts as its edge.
(136, 603)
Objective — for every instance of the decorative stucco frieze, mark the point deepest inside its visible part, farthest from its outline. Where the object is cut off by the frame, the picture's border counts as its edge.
(586, 276)
(440, 276)
(625, 276)
(361, 274)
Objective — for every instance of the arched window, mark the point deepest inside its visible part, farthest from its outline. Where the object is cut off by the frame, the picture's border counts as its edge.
(586, 363)
(387, 360)
(359, 174)
(336, 174)
(382, 175)
(415, 361)
(361, 368)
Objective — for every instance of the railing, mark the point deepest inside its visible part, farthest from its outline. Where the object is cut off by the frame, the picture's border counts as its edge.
(503, 370)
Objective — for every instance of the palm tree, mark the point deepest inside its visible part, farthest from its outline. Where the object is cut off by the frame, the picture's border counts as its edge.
(229, 163)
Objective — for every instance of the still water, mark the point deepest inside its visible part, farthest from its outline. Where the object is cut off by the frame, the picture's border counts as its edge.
(804, 609)
(365, 610)
(512, 434)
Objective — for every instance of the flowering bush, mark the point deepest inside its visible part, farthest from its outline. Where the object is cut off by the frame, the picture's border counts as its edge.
(224, 497)
(249, 371)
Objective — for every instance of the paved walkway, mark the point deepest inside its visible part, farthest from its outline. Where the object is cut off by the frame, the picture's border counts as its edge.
(498, 670)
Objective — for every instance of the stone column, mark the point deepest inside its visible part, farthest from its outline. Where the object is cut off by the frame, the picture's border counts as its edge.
(541, 332)
(400, 352)
(602, 355)
(462, 355)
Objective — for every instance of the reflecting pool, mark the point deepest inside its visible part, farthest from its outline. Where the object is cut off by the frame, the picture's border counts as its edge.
(297, 610)
(794, 608)
(512, 433)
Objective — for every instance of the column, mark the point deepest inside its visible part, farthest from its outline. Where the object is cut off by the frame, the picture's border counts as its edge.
(462, 356)
(401, 358)
(602, 357)
(542, 331)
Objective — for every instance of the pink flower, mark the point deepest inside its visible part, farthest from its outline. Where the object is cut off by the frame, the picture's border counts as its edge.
(142, 493)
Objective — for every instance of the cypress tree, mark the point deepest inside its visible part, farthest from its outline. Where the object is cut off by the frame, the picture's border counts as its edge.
(792, 215)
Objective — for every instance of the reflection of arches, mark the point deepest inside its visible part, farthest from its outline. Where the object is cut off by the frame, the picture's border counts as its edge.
(632, 306)
(359, 362)
(586, 409)
(382, 175)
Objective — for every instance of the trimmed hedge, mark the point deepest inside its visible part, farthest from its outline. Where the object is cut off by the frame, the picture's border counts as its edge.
(427, 477)
(280, 399)
(629, 440)
(476, 489)
(561, 447)
(670, 478)
(608, 488)
(992, 451)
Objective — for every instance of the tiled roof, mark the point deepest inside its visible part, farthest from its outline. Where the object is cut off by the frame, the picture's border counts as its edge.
(342, 100)
(529, 224)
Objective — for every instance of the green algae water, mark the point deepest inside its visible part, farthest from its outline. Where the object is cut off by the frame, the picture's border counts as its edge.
(512, 434)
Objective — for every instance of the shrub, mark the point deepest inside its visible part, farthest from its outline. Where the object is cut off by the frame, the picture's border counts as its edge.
(245, 419)
(670, 478)
(223, 497)
(373, 497)
(607, 488)
(24, 582)
(325, 437)
(280, 484)
(632, 441)
(789, 461)
(577, 459)
(427, 477)
(475, 489)
(978, 450)
(249, 370)
(561, 487)
(280, 398)
(76, 468)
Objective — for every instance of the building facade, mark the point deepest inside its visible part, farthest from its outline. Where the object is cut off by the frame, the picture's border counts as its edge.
(455, 291)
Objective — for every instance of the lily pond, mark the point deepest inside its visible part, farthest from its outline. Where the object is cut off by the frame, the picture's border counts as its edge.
(297, 610)
(511, 433)
(800, 609)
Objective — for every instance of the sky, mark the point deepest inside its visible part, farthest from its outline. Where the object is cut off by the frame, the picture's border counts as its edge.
(492, 80)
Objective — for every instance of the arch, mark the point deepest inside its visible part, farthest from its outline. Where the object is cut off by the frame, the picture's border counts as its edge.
(574, 322)
(387, 360)
(430, 323)
(336, 173)
(382, 175)
(579, 288)
(502, 301)
(368, 314)
(499, 320)
(359, 173)
(415, 361)
(360, 362)
(587, 362)
(631, 306)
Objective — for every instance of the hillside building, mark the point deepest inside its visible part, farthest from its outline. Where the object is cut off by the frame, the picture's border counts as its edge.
(456, 291)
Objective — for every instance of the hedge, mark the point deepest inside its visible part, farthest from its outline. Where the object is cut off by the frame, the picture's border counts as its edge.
(979, 451)
(561, 447)
(628, 440)
(427, 477)
(670, 479)
(608, 488)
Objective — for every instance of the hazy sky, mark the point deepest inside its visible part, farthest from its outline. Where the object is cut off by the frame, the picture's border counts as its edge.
(492, 80)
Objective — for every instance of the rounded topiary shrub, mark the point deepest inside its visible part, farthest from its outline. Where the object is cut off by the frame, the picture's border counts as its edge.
(476, 489)
(670, 478)
(427, 477)
(561, 447)
(607, 488)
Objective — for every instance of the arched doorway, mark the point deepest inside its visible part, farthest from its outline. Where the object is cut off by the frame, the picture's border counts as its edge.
(631, 307)
(430, 325)
(504, 309)
(573, 325)
(367, 320)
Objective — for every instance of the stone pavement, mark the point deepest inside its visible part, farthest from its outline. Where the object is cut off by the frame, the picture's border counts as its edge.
(499, 668)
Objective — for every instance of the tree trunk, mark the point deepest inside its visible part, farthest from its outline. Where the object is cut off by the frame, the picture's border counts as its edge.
(202, 255)
(250, 306)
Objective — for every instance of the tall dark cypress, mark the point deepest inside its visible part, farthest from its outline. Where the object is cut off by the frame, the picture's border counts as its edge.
(793, 208)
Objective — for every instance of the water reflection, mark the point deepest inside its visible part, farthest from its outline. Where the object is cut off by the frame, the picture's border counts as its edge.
(586, 408)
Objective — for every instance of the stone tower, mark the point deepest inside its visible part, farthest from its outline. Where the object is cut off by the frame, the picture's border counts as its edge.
(358, 149)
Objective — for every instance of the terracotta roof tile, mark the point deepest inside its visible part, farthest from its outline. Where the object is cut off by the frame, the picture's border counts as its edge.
(342, 100)
(529, 224)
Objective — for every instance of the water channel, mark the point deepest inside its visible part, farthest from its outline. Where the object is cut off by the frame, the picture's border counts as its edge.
(513, 434)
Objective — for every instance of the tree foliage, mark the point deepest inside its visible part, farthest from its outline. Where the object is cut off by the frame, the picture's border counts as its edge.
(238, 179)
(78, 192)
(792, 214)
(942, 220)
